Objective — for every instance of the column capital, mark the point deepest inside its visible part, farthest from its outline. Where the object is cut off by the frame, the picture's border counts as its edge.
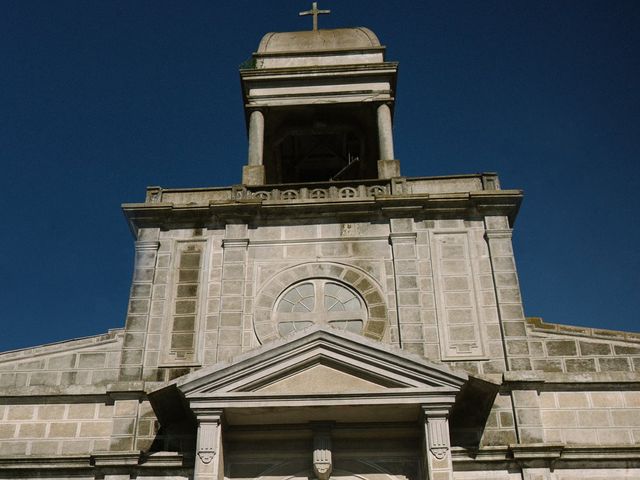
(208, 414)
(388, 103)
(435, 412)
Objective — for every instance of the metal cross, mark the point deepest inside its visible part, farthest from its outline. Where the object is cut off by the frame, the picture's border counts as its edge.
(315, 12)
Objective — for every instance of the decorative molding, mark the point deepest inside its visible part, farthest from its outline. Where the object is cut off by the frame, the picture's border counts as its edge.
(143, 245)
(439, 452)
(235, 242)
(438, 436)
(501, 233)
(206, 456)
(113, 335)
(403, 237)
(351, 192)
(535, 379)
(366, 286)
(62, 464)
(615, 456)
(112, 459)
(322, 461)
(538, 325)
(471, 311)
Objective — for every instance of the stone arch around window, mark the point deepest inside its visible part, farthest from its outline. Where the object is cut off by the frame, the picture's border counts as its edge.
(366, 288)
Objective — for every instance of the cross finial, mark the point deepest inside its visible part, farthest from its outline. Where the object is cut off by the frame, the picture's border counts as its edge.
(315, 12)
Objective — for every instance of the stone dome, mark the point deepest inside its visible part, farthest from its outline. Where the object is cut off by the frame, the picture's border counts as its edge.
(309, 40)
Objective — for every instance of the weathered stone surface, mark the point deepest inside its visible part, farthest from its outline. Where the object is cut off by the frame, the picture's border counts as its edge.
(430, 269)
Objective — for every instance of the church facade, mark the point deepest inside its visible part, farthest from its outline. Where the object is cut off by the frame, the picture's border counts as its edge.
(326, 318)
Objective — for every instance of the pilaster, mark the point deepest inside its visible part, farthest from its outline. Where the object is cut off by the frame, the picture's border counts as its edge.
(405, 267)
(528, 419)
(125, 416)
(232, 296)
(437, 447)
(139, 308)
(507, 288)
(208, 461)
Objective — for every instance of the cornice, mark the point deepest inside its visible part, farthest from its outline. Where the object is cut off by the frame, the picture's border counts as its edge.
(546, 454)
(94, 461)
(440, 205)
(258, 74)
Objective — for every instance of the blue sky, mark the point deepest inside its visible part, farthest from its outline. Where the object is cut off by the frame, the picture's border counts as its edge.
(99, 99)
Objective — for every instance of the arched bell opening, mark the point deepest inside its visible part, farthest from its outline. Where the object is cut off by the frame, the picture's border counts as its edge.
(320, 144)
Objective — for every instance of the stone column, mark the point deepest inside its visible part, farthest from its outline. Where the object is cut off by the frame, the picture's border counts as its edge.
(387, 166)
(385, 132)
(437, 448)
(253, 173)
(208, 461)
(256, 137)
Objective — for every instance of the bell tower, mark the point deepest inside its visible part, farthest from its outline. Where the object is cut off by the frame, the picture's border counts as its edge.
(319, 107)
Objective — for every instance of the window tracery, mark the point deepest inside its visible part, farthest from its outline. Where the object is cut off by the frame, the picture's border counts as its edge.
(319, 301)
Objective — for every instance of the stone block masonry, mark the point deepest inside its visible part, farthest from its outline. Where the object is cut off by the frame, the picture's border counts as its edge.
(49, 429)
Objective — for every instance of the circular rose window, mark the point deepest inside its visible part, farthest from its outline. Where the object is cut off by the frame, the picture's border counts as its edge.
(319, 301)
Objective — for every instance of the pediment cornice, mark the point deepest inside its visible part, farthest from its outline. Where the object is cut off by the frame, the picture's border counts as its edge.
(321, 368)
(371, 361)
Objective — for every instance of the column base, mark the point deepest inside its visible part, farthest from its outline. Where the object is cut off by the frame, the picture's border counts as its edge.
(388, 168)
(253, 175)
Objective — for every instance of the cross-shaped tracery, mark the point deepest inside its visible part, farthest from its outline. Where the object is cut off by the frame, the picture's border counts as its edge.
(319, 301)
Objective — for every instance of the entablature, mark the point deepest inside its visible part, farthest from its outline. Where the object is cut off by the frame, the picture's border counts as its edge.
(448, 197)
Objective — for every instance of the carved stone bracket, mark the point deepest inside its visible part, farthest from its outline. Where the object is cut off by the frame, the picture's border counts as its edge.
(439, 452)
(208, 443)
(322, 461)
(438, 436)
(206, 456)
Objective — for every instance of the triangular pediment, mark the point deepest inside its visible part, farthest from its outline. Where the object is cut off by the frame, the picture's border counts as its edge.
(320, 360)
(322, 377)
(318, 374)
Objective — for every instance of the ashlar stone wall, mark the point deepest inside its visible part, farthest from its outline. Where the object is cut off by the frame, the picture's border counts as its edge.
(58, 367)
(54, 397)
(201, 296)
(49, 429)
(590, 417)
(571, 349)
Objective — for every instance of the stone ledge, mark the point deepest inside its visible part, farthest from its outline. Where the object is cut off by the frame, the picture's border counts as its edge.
(113, 459)
(564, 378)
(537, 324)
(112, 336)
(536, 451)
(436, 205)
(113, 391)
(40, 393)
(98, 459)
(553, 452)
(24, 462)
